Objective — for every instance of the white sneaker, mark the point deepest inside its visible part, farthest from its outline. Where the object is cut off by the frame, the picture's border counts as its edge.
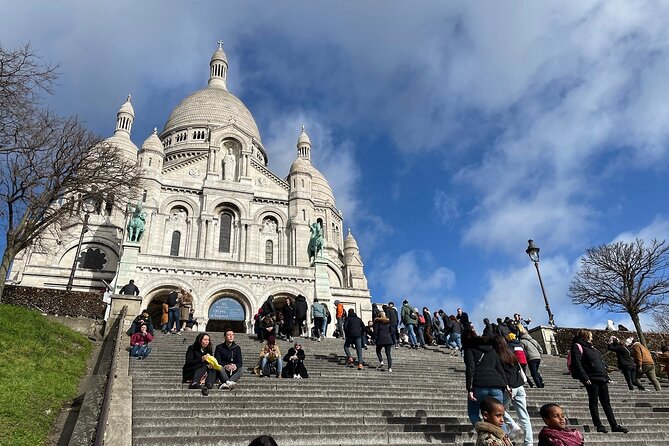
(516, 433)
(231, 384)
(390, 370)
(224, 385)
(380, 366)
(319, 339)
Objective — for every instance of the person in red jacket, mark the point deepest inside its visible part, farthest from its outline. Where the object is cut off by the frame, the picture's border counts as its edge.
(139, 343)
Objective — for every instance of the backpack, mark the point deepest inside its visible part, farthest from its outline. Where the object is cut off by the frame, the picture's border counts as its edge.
(421, 319)
(569, 363)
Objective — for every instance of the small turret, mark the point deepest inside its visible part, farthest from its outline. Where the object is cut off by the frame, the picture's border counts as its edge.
(218, 68)
(124, 119)
(304, 146)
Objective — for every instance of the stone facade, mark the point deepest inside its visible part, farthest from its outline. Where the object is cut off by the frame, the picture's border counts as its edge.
(219, 222)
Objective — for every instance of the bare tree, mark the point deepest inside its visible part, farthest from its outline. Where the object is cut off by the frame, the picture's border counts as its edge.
(623, 278)
(661, 319)
(48, 164)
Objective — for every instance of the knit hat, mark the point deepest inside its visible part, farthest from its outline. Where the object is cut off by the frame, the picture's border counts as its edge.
(629, 341)
(511, 337)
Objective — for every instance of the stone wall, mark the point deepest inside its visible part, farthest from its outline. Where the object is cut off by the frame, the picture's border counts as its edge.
(57, 302)
(600, 338)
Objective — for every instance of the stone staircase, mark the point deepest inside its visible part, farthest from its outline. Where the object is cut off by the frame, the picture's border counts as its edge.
(422, 402)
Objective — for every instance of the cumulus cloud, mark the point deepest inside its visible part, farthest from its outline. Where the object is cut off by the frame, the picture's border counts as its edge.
(414, 275)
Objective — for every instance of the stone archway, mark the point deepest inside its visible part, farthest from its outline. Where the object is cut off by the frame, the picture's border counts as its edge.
(228, 310)
(154, 304)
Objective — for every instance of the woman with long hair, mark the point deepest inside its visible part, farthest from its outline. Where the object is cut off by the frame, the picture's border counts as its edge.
(484, 374)
(588, 366)
(517, 397)
(383, 339)
(197, 368)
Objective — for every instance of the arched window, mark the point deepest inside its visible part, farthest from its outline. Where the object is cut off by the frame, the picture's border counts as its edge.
(269, 252)
(226, 232)
(176, 241)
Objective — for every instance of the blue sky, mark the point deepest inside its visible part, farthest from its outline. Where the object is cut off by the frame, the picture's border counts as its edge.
(451, 132)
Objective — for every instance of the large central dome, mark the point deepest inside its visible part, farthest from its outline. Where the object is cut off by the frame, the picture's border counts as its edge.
(212, 106)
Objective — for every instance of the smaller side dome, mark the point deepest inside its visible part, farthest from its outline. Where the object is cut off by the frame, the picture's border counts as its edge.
(350, 242)
(300, 165)
(153, 143)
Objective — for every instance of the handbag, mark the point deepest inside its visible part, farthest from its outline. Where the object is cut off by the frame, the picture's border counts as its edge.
(522, 373)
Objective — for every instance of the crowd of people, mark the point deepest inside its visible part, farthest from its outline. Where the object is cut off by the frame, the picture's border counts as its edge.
(499, 363)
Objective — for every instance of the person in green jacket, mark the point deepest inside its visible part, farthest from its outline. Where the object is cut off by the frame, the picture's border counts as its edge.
(409, 320)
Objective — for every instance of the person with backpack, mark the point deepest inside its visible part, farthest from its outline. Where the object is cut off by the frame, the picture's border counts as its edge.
(420, 327)
(318, 314)
(585, 363)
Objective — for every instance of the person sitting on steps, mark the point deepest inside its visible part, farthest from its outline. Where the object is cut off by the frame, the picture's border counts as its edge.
(140, 343)
(229, 356)
(294, 363)
(269, 359)
(197, 370)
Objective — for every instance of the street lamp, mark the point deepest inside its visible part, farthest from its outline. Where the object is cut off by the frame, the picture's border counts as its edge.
(89, 206)
(533, 251)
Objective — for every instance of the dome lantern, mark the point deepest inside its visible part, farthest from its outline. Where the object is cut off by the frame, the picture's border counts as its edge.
(218, 68)
(304, 146)
(124, 119)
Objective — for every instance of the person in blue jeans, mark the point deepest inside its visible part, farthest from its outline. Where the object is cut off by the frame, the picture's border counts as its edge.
(139, 343)
(455, 338)
(354, 329)
(173, 313)
(409, 319)
(484, 375)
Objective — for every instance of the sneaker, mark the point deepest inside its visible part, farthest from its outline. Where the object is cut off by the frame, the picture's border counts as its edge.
(397, 346)
(516, 433)
(205, 390)
(390, 370)
(619, 428)
(380, 366)
(231, 384)
(319, 339)
(602, 429)
(349, 361)
(224, 386)
(360, 367)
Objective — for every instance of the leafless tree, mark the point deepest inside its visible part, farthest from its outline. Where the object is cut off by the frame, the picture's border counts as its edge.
(623, 278)
(661, 319)
(48, 164)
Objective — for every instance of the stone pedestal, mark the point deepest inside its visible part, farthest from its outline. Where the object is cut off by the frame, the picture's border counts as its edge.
(322, 285)
(545, 336)
(127, 267)
(134, 304)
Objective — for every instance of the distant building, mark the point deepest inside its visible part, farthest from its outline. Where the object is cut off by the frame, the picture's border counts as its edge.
(218, 221)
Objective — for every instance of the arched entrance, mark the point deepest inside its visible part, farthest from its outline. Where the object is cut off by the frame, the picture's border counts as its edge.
(280, 302)
(155, 306)
(227, 313)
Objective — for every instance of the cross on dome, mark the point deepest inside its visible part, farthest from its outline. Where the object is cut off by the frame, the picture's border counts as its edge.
(220, 44)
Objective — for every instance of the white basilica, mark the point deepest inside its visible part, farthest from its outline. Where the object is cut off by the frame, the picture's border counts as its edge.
(218, 221)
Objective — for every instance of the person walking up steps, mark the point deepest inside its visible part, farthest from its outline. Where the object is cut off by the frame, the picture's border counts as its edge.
(383, 340)
(353, 330)
(409, 320)
(644, 362)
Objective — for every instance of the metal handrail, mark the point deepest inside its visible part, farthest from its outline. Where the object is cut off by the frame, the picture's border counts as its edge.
(106, 402)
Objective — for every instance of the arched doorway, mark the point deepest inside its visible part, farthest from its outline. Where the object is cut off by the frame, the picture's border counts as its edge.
(279, 302)
(155, 306)
(227, 313)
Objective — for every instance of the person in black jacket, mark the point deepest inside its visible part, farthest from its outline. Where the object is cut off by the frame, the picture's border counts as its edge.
(588, 366)
(354, 329)
(484, 375)
(625, 363)
(517, 398)
(142, 318)
(196, 369)
(229, 356)
(383, 339)
(288, 319)
(294, 363)
(301, 310)
(391, 314)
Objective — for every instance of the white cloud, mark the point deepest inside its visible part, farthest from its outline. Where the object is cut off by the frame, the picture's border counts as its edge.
(657, 229)
(415, 276)
(445, 206)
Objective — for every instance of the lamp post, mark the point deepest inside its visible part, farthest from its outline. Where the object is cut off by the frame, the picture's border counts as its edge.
(88, 205)
(533, 252)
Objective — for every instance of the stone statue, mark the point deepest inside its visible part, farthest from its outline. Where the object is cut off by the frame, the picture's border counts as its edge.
(316, 242)
(136, 224)
(229, 163)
